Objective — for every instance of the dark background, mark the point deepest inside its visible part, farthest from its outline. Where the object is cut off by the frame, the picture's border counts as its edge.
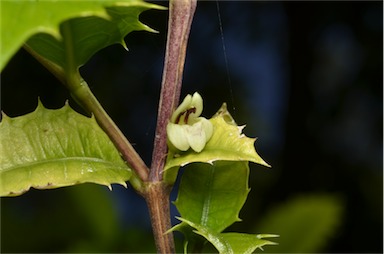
(306, 78)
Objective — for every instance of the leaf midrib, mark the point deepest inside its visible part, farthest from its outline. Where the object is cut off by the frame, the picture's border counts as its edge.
(79, 159)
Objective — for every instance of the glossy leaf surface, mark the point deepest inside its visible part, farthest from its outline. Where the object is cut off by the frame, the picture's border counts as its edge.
(214, 187)
(54, 148)
(230, 243)
(213, 195)
(92, 26)
(226, 144)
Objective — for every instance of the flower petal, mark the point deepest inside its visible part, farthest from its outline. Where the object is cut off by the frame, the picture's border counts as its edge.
(196, 136)
(186, 128)
(197, 102)
(177, 135)
(208, 128)
(185, 105)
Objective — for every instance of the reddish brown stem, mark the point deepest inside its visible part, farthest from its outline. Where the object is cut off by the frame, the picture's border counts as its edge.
(180, 20)
(157, 193)
(157, 198)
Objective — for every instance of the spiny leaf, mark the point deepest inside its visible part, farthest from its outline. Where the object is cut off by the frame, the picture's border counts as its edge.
(226, 144)
(213, 195)
(94, 25)
(246, 243)
(230, 243)
(55, 148)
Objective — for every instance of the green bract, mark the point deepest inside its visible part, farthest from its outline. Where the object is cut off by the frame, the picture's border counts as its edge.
(188, 130)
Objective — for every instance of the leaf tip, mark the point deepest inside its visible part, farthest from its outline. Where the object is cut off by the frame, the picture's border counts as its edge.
(148, 29)
(122, 43)
(241, 128)
(211, 161)
(39, 103)
(3, 116)
(260, 160)
(124, 184)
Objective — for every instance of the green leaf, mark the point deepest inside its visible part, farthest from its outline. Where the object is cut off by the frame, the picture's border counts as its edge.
(226, 144)
(92, 26)
(54, 148)
(246, 243)
(212, 195)
(229, 243)
(305, 223)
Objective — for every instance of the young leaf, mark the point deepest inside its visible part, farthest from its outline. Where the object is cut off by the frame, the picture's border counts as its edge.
(212, 195)
(229, 243)
(22, 19)
(226, 144)
(55, 148)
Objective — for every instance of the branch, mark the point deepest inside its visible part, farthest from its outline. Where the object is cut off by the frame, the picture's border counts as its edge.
(157, 193)
(84, 97)
(180, 19)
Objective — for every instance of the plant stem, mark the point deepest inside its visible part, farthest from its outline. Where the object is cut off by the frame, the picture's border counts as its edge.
(81, 92)
(157, 195)
(55, 69)
(180, 19)
(157, 198)
(83, 95)
(156, 192)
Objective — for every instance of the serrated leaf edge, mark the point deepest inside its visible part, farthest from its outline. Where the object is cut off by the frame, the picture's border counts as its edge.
(5, 119)
(223, 242)
(241, 135)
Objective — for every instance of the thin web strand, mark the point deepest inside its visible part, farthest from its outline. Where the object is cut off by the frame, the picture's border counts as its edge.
(225, 57)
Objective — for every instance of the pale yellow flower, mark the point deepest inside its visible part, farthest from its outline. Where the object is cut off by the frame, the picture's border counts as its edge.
(187, 129)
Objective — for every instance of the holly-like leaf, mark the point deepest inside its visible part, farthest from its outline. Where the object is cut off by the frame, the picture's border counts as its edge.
(54, 148)
(226, 144)
(91, 26)
(212, 192)
(230, 243)
(245, 243)
(212, 195)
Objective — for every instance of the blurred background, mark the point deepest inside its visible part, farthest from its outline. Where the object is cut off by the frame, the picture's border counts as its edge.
(305, 77)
